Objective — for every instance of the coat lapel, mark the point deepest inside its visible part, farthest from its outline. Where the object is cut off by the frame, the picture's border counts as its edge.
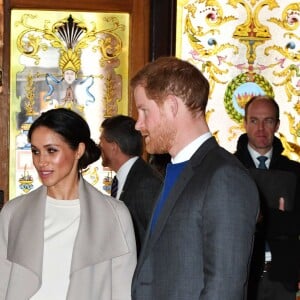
(26, 235)
(174, 195)
(132, 176)
(151, 237)
(25, 245)
(172, 198)
(100, 237)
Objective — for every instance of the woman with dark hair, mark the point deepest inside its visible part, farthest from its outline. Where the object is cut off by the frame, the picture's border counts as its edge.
(65, 240)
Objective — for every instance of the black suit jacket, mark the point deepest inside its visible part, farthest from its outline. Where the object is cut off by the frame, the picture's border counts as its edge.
(139, 193)
(279, 228)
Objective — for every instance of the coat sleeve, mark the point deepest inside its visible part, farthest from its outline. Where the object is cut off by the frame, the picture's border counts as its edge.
(229, 217)
(123, 266)
(4, 263)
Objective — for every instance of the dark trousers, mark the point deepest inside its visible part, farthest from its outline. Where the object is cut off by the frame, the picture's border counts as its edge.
(273, 290)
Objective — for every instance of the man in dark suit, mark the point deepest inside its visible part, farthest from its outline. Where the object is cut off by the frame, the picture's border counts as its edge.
(198, 243)
(276, 255)
(138, 183)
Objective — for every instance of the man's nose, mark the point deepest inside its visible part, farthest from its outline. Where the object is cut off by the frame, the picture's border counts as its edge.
(138, 124)
(261, 125)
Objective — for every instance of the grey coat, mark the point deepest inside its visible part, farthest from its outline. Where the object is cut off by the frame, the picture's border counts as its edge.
(201, 245)
(104, 254)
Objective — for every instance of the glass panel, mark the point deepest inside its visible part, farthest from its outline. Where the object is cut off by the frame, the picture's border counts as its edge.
(244, 49)
(77, 60)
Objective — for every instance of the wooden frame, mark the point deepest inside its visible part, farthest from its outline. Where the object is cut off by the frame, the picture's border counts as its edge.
(139, 45)
(162, 28)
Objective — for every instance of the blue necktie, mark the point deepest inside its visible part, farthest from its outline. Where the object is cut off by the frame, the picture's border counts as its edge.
(172, 173)
(114, 187)
(262, 162)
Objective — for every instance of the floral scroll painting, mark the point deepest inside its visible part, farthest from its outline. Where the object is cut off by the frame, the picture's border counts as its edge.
(76, 60)
(244, 48)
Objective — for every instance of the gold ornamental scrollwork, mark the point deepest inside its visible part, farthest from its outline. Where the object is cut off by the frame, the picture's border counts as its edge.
(72, 59)
(71, 36)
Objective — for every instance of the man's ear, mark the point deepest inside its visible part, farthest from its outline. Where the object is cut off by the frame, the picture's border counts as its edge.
(277, 126)
(115, 147)
(172, 103)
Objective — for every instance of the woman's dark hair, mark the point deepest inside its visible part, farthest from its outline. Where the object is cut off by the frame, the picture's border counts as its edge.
(73, 129)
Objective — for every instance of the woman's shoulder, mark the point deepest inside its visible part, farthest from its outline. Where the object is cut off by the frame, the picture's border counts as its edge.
(20, 198)
(114, 203)
(104, 206)
(101, 199)
(17, 202)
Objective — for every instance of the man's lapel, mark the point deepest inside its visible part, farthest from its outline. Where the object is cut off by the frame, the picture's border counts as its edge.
(172, 198)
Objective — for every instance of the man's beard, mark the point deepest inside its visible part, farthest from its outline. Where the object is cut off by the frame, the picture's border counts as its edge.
(161, 139)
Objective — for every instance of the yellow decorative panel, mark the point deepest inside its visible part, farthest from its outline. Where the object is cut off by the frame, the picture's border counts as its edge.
(77, 60)
(244, 48)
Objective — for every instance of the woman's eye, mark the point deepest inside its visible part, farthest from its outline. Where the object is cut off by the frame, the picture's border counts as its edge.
(34, 151)
(52, 150)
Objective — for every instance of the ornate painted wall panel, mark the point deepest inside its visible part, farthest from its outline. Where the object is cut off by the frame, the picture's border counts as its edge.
(77, 60)
(245, 48)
